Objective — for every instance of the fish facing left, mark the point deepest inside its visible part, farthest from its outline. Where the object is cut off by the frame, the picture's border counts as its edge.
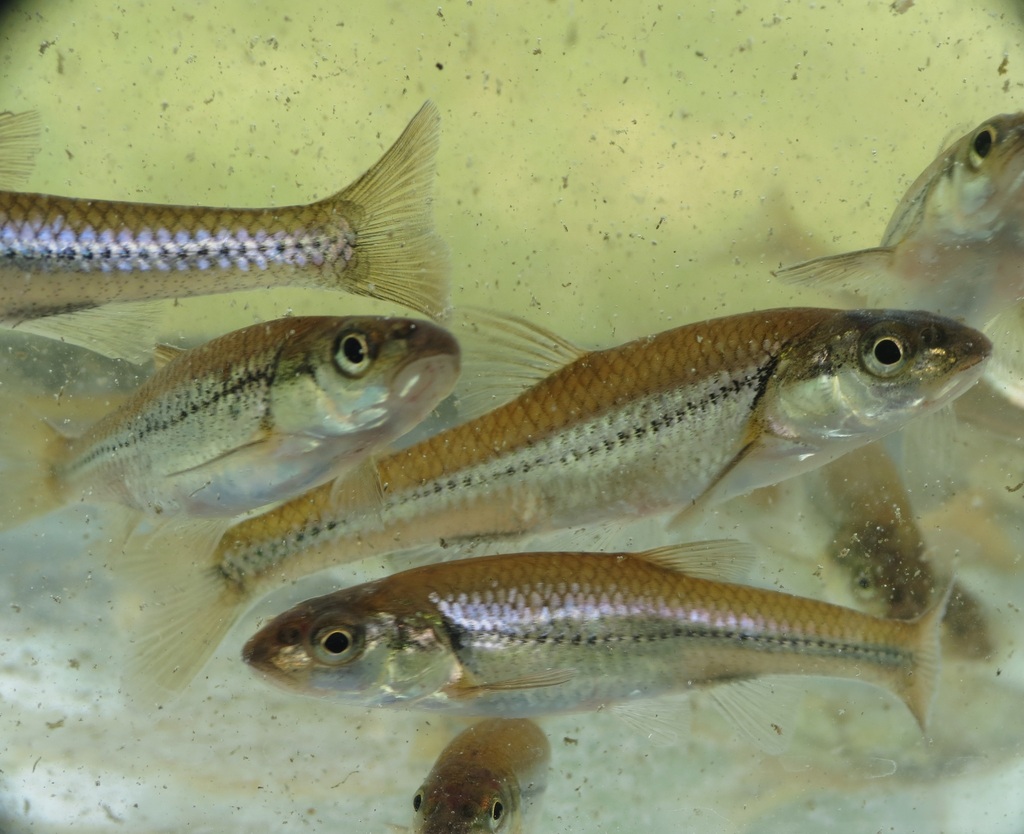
(60, 255)
(529, 634)
(490, 778)
(248, 419)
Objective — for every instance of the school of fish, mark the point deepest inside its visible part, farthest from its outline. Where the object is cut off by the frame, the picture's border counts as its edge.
(269, 453)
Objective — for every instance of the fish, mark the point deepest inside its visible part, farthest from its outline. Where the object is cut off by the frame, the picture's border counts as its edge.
(954, 245)
(490, 778)
(60, 256)
(672, 421)
(527, 634)
(881, 548)
(251, 418)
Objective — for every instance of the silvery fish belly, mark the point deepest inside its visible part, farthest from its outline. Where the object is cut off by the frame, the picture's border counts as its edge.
(955, 245)
(490, 778)
(535, 633)
(60, 255)
(684, 417)
(248, 419)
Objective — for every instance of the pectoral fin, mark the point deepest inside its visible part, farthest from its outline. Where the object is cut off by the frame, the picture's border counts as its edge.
(865, 272)
(549, 677)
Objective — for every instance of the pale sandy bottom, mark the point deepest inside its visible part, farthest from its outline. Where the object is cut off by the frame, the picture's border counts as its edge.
(607, 175)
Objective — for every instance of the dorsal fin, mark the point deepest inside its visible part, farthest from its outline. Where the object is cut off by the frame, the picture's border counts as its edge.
(722, 560)
(164, 354)
(358, 489)
(502, 356)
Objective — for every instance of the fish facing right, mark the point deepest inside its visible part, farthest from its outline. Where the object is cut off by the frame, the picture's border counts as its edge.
(667, 422)
(249, 419)
(955, 245)
(490, 778)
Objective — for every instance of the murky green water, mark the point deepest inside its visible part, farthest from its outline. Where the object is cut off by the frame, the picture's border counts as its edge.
(606, 169)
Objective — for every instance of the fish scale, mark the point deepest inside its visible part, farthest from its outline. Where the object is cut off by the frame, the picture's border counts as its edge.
(61, 255)
(526, 634)
(666, 422)
(628, 431)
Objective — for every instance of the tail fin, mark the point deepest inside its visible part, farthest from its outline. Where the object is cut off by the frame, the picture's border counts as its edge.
(398, 256)
(29, 447)
(19, 144)
(918, 687)
(183, 605)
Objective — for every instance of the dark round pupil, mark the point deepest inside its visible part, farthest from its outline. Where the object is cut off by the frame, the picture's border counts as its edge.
(336, 642)
(497, 811)
(353, 349)
(983, 143)
(888, 352)
(417, 801)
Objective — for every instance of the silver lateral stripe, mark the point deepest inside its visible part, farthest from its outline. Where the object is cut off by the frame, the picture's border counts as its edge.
(33, 247)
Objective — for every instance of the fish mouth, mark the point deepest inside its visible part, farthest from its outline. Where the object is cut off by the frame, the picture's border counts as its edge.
(431, 376)
(969, 371)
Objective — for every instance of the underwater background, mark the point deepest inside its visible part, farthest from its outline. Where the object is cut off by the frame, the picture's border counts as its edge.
(606, 170)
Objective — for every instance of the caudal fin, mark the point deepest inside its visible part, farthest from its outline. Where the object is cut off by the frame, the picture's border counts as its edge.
(398, 257)
(918, 687)
(181, 605)
(29, 446)
(19, 144)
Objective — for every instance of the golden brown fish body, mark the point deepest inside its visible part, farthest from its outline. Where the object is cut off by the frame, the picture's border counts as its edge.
(536, 633)
(59, 255)
(698, 413)
(724, 406)
(251, 418)
(489, 779)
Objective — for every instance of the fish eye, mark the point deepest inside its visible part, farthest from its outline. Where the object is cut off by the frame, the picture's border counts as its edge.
(352, 354)
(884, 356)
(335, 645)
(417, 801)
(984, 139)
(863, 585)
(497, 812)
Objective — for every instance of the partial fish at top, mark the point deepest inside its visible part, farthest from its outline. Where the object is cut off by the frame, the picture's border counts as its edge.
(59, 255)
(666, 422)
(955, 245)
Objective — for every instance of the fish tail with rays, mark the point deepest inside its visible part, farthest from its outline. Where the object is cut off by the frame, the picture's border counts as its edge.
(30, 450)
(64, 256)
(19, 145)
(180, 602)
